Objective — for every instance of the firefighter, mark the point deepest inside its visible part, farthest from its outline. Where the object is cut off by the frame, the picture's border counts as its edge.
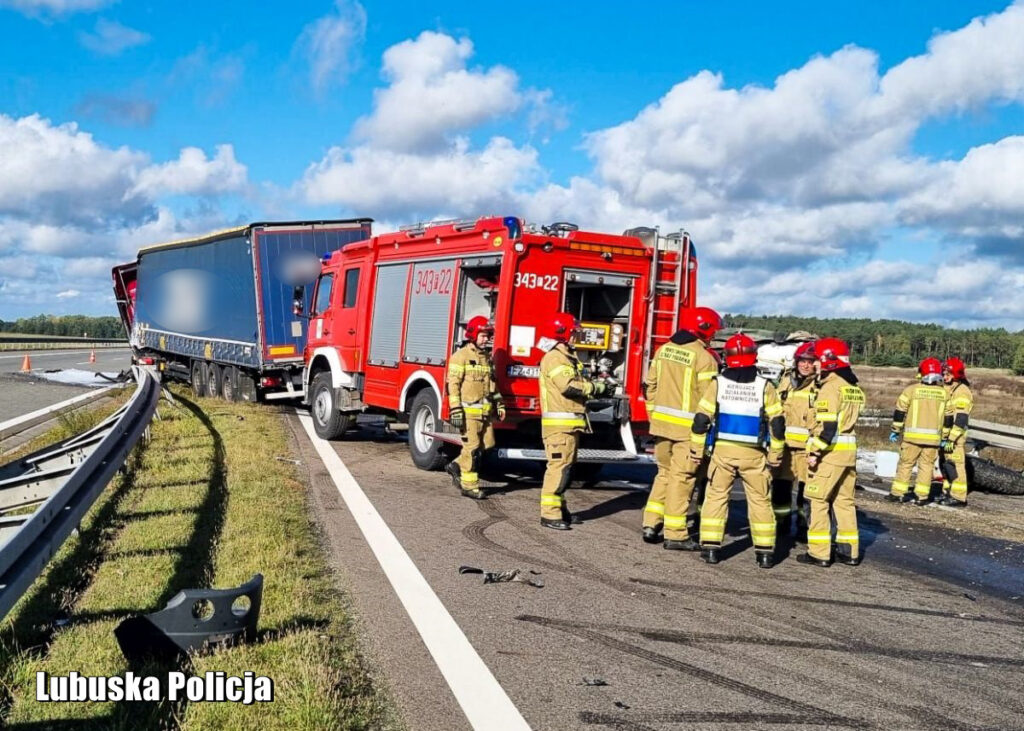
(680, 372)
(563, 397)
(921, 417)
(832, 458)
(953, 461)
(472, 392)
(796, 391)
(741, 403)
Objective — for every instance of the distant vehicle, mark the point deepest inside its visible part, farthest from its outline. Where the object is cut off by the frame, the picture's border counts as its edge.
(217, 310)
(387, 313)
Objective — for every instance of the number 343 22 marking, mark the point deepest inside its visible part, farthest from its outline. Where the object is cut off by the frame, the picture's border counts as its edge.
(529, 280)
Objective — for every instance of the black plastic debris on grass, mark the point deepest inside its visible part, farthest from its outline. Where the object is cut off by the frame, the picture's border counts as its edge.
(193, 620)
(498, 577)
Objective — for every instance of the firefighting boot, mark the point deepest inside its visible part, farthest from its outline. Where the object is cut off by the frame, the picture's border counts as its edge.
(651, 535)
(920, 501)
(846, 559)
(688, 545)
(812, 561)
(765, 560)
(474, 493)
(452, 468)
(894, 498)
(555, 524)
(952, 502)
(570, 518)
(709, 555)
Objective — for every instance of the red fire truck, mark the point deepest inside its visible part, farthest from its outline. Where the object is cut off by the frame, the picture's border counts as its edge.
(387, 312)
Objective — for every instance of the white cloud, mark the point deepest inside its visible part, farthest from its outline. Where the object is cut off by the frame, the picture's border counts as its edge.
(111, 38)
(68, 293)
(193, 173)
(46, 8)
(331, 44)
(432, 95)
(392, 183)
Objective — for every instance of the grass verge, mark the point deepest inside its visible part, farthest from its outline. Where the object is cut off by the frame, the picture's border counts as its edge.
(204, 503)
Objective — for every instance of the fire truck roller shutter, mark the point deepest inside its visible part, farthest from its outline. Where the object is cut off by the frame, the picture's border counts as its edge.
(430, 301)
(388, 307)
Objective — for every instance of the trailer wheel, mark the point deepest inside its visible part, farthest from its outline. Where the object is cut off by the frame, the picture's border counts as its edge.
(214, 380)
(984, 474)
(424, 416)
(230, 387)
(198, 378)
(328, 422)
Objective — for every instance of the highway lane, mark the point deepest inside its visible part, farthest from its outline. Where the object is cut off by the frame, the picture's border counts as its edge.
(21, 393)
(927, 633)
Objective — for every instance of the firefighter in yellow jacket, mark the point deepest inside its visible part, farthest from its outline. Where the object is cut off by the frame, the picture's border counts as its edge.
(832, 458)
(472, 392)
(563, 396)
(678, 376)
(954, 461)
(741, 403)
(797, 390)
(923, 416)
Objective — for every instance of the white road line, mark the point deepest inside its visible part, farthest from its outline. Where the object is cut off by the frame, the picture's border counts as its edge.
(477, 691)
(45, 353)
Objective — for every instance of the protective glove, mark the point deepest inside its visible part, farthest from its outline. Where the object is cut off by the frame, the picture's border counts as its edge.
(499, 408)
(774, 459)
(947, 446)
(894, 437)
(600, 388)
(457, 417)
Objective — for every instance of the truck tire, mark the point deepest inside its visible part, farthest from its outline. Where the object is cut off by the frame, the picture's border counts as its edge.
(214, 380)
(425, 415)
(230, 388)
(198, 379)
(328, 422)
(984, 474)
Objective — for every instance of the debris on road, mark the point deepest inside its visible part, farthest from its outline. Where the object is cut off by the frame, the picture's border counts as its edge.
(288, 459)
(593, 682)
(498, 577)
(971, 597)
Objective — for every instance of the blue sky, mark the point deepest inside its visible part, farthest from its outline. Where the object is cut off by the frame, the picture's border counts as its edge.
(874, 145)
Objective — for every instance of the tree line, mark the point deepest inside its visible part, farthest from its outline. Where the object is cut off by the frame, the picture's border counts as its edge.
(75, 326)
(899, 343)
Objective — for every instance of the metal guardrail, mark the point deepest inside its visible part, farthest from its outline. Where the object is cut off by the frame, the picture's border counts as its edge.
(981, 433)
(64, 480)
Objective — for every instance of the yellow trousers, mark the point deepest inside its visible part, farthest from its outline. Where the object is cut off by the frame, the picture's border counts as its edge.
(830, 488)
(786, 479)
(924, 458)
(561, 453)
(479, 436)
(752, 469)
(672, 488)
(954, 472)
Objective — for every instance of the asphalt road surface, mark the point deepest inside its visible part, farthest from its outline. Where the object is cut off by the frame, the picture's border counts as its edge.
(21, 393)
(928, 633)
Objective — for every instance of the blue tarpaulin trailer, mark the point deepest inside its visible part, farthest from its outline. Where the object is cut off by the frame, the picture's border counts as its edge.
(219, 309)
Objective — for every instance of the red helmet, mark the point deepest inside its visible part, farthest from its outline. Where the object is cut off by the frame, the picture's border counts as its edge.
(477, 325)
(701, 321)
(956, 367)
(805, 352)
(560, 327)
(930, 367)
(832, 354)
(740, 352)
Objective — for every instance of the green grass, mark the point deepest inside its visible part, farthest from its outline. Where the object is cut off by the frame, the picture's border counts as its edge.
(203, 504)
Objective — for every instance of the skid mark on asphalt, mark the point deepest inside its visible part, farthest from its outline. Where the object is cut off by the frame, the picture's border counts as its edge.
(637, 721)
(582, 630)
(834, 602)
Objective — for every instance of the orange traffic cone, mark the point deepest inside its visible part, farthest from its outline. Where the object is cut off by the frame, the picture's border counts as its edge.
(92, 356)
(26, 364)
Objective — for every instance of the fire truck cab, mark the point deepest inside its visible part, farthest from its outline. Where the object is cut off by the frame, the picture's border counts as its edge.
(388, 311)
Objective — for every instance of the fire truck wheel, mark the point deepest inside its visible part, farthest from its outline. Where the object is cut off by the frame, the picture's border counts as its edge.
(328, 422)
(198, 378)
(424, 416)
(214, 380)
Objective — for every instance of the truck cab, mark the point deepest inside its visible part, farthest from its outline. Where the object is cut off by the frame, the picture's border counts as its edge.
(388, 312)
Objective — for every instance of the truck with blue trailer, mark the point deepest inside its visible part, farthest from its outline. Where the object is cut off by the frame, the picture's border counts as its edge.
(219, 311)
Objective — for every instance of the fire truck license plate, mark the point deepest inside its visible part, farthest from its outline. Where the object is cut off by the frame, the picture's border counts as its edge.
(518, 370)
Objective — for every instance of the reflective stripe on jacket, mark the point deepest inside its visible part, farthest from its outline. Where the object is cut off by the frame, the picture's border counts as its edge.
(563, 392)
(676, 379)
(925, 408)
(470, 381)
(840, 402)
(798, 407)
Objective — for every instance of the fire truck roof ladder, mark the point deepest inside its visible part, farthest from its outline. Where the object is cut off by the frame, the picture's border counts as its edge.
(675, 269)
(459, 224)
